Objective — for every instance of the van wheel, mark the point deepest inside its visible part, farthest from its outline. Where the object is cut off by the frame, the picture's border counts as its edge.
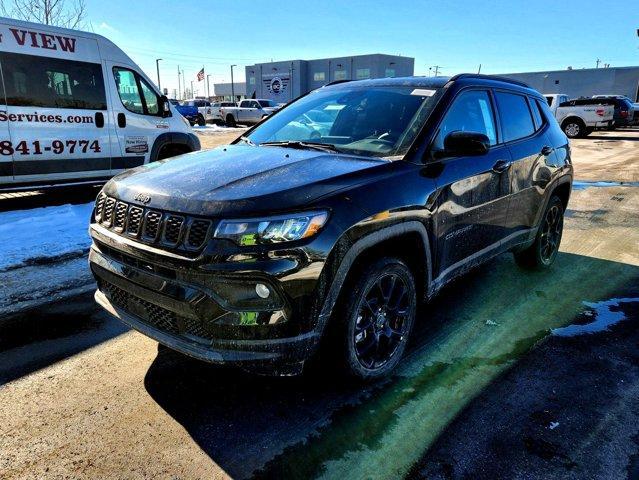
(230, 121)
(574, 128)
(542, 253)
(200, 121)
(375, 320)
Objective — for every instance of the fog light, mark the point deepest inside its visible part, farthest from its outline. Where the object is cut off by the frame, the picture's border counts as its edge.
(262, 290)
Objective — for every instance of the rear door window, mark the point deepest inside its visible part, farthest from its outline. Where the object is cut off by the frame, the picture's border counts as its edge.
(32, 81)
(515, 116)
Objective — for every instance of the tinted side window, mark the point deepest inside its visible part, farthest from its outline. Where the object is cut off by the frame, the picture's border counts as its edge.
(33, 81)
(516, 121)
(470, 112)
(245, 104)
(537, 115)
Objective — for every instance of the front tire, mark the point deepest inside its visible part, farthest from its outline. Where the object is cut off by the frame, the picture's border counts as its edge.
(200, 121)
(375, 320)
(230, 121)
(542, 253)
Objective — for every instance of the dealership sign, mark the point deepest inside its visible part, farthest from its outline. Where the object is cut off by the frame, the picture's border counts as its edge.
(277, 85)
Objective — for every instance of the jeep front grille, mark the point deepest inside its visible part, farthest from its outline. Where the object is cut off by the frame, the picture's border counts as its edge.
(152, 226)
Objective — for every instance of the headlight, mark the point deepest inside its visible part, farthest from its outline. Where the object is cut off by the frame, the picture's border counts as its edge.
(272, 230)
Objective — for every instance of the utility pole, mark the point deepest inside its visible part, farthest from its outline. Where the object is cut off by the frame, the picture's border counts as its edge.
(208, 87)
(192, 91)
(232, 83)
(479, 69)
(436, 67)
(157, 66)
(183, 85)
(598, 61)
(179, 85)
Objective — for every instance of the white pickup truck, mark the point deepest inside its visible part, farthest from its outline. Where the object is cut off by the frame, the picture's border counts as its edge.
(579, 117)
(248, 112)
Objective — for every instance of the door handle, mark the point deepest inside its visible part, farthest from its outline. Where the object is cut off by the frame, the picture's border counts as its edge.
(121, 120)
(501, 166)
(99, 119)
(546, 150)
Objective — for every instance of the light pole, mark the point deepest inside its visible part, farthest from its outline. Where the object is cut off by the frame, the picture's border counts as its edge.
(157, 66)
(232, 84)
(192, 92)
(179, 85)
(208, 87)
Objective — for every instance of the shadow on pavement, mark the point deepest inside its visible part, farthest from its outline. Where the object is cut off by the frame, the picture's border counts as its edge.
(48, 198)
(48, 334)
(468, 336)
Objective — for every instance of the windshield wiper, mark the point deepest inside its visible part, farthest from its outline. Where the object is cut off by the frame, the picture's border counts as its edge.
(247, 140)
(323, 147)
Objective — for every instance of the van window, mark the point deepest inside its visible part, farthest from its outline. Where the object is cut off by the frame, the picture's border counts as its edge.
(32, 81)
(516, 121)
(135, 93)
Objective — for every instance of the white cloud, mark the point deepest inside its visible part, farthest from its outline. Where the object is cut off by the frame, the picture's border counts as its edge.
(106, 28)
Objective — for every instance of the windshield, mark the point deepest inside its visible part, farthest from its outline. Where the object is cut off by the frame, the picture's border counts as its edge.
(267, 103)
(372, 121)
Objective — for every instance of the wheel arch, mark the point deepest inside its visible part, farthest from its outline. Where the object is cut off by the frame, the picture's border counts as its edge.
(187, 142)
(388, 241)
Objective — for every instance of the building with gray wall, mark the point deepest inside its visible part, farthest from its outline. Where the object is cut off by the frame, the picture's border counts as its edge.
(287, 80)
(584, 82)
(224, 91)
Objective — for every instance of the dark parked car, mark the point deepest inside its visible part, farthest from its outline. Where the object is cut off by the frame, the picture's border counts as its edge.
(625, 113)
(269, 251)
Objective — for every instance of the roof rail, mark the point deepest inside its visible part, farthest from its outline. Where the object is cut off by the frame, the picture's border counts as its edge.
(489, 77)
(335, 82)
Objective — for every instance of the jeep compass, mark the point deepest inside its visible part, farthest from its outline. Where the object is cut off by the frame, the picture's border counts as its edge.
(319, 231)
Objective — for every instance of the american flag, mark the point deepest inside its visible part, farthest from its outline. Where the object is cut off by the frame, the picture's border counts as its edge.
(200, 75)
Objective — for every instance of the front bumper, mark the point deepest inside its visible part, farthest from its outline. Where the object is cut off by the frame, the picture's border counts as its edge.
(209, 315)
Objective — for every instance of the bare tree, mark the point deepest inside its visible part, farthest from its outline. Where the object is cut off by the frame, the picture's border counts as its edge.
(61, 13)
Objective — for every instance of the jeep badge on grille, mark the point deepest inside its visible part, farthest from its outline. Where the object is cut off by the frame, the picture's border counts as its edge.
(143, 198)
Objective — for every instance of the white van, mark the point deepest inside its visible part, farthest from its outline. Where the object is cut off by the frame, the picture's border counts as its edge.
(74, 108)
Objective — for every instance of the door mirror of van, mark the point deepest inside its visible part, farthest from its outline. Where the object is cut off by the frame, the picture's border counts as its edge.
(165, 108)
(462, 144)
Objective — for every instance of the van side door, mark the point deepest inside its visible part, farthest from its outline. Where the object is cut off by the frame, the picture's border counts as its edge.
(57, 114)
(6, 158)
(472, 201)
(136, 113)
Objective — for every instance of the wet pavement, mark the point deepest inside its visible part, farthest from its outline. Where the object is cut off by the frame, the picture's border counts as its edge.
(496, 360)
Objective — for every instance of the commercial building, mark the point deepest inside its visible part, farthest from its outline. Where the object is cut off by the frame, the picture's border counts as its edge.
(287, 80)
(584, 82)
(225, 91)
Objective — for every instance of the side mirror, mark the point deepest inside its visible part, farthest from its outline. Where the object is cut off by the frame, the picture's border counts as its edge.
(464, 144)
(165, 107)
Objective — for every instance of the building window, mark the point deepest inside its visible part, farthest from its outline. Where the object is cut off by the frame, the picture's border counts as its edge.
(362, 73)
(390, 72)
(340, 75)
(318, 76)
(251, 80)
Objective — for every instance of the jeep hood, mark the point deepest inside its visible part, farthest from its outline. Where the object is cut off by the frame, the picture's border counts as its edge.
(242, 180)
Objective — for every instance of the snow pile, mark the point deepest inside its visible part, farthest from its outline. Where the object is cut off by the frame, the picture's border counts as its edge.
(43, 234)
(216, 129)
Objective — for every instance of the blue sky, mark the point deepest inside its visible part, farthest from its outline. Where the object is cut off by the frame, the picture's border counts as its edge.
(502, 35)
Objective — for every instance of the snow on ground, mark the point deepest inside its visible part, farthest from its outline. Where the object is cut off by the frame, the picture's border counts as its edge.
(213, 129)
(42, 234)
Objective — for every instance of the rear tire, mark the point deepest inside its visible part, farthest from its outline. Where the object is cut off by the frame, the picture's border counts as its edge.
(542, 253)
(230, 121)
(574, 128)
(374, 320)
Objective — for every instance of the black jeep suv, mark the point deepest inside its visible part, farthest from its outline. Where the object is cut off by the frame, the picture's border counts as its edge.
(322, 228)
